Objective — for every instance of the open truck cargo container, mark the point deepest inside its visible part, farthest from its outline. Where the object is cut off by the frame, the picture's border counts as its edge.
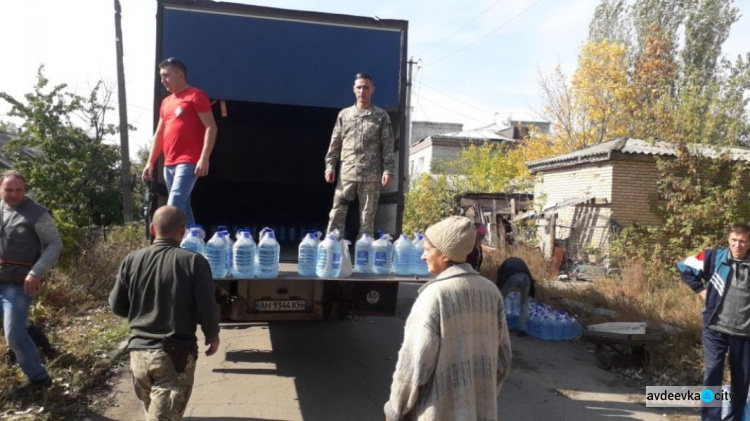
(278, 79)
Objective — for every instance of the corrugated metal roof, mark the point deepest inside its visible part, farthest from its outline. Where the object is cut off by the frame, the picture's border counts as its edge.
(604, 151)
(491, 132)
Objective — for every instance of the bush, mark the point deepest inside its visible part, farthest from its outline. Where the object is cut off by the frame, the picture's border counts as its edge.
(430, 199)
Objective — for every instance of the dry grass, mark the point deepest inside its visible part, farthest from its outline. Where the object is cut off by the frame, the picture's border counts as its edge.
(73, 309)
(645, 292)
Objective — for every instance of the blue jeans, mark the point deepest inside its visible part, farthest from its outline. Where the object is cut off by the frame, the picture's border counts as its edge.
(180, 180)
(15, 316)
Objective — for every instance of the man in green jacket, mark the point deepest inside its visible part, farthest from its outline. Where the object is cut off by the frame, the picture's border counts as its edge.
(165, 292)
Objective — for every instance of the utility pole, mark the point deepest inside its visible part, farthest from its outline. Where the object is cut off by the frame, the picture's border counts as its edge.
(127, 189)
(411, 64)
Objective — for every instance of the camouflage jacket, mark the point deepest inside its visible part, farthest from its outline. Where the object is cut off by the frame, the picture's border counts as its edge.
(363, 141)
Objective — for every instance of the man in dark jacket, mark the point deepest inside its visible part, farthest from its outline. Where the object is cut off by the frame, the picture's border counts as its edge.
(721, 277)
(514, 275)
(165, 292)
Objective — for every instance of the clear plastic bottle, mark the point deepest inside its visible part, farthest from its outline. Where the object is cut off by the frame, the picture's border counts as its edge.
(200, 229)
(267, 263)
(363, 254)
(216, 252)
(307, 253)
(228, 237)
(382, 261)
(329, 257)
(403, 256)
(194, 242)
(243, 255)
(419, 266)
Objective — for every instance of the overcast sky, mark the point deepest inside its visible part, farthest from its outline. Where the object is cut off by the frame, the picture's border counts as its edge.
(479, 58)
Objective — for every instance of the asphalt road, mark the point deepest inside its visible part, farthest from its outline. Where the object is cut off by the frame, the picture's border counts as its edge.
(341, 370)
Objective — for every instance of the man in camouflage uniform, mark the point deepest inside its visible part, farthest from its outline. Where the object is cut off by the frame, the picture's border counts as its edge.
(165, 292)
(362, 141)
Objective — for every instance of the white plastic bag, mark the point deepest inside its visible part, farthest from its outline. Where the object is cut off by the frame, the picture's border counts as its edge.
(346, 260)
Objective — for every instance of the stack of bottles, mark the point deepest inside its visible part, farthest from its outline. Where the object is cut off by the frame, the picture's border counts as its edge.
(542, 321)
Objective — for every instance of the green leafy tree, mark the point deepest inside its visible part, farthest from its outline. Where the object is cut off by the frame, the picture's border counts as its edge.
(72, 171)
(430, 199)
(485, 168)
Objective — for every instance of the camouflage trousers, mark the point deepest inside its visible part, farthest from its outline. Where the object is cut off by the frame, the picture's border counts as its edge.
(163, 391)
(346, 192)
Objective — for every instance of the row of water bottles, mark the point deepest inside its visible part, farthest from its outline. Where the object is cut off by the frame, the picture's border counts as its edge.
(241, 259)
(328, 258)
(404, 257)
(542, 321)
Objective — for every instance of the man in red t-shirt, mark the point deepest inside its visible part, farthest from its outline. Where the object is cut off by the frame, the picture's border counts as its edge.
(186, 133)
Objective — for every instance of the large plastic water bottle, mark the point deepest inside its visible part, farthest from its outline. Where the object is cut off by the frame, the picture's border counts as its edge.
(403, 256)
(419, 266)
(306, 257)
(243, 255)
(363, 254)
(382, 262)
(194, 242)
(200, 229)
(216, 252)
(267, 263)
(230, 250)
(329, 257)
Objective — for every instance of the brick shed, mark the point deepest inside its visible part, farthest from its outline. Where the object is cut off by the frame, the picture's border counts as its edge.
(592, 192)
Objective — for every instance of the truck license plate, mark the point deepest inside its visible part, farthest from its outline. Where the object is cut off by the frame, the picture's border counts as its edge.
(280, 305)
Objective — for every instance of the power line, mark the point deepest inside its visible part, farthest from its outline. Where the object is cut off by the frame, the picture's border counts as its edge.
(486, 35)
(459, 29)
(453, 111)
(456, 99)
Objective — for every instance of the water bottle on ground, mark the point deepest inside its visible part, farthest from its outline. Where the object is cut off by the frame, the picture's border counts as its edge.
(382, 262)
(243, 255)
(329, 257)
(216, 252)
(403, 256)
(363, 254)
(307, 252)
(194, 242)
(267, 263)
(419, 266)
